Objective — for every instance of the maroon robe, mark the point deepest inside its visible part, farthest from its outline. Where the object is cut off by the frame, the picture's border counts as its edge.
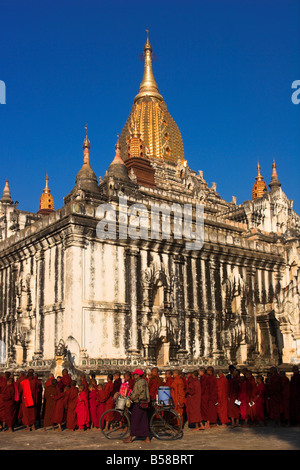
(295, 398)
(66, 379)
(204, 396)
(3, 381)
(274, 396)
(58, 409)
(212, 415)
(285, 398)
(50, 392)
(10, 405)
(260, 402)
(71, 400)
(100, 406)
(223, 387)
(193, 400)
(233, 393)
(154, 382)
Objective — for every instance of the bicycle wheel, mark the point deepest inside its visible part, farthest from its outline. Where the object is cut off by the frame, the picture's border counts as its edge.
(115, 424)
(166, 424)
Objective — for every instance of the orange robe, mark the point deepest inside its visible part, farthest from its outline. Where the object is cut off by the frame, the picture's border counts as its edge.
(178, 395)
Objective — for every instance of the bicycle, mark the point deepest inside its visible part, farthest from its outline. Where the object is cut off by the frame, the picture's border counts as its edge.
(165, 423)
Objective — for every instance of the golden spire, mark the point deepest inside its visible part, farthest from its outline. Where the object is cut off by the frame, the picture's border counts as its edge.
(46, 200)
(259, 186)
(151, 121)
(148, 86)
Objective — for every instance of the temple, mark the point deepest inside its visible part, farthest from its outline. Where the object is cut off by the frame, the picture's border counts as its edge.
(100, 303)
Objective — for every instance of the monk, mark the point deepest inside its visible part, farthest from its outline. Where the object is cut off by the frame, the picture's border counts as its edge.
(273, 393)
(204, 393)
(3, 385)
(285, 398)
(28, 406)
(260, 400)
(100, 405)
(71, 402)
(193, 401)
(154, 382)
(107, 397)
(242, 397)
(212, 386)
(49, 380)
(168, 378)
(93, 406)
(38, 398)
(59, 408)
(233, 393)
(251, 397)
(83, 382)
(66, 378)
(82, 408)
(129, 379)
(50, 392)
(222, 386)
(10, 398)
(117, 382)
(295, 396)
(177, 393)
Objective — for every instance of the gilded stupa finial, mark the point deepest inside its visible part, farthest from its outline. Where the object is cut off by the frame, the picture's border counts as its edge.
(46, 205)
(259, 186)
(148, 86)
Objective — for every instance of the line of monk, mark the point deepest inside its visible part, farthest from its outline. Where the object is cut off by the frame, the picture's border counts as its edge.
(203, 398)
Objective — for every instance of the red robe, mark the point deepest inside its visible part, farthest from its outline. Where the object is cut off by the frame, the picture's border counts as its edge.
(212, 415)
(107, 397)
(154, 382)
(93, 407)
(193, 400)
(223, 387)
(243, 399)
(28, 407)
(82, 410)
(71, 402)
(168, 382)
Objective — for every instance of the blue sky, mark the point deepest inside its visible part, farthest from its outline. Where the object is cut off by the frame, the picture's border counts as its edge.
(224, 67)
